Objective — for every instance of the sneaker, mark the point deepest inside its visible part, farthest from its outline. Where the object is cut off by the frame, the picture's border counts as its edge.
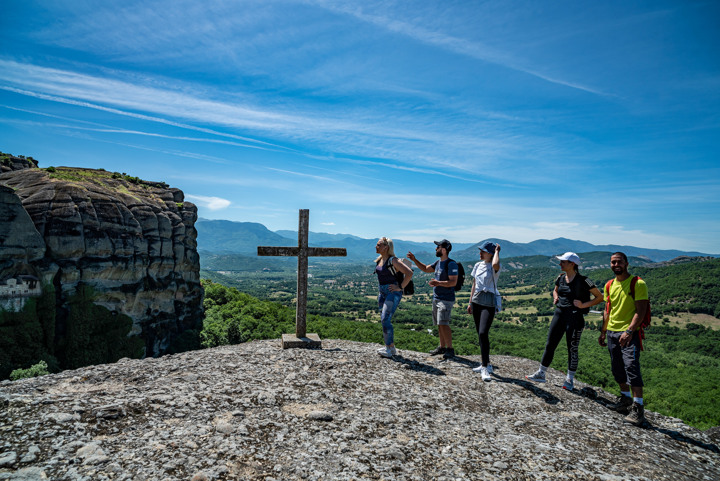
(449, 352)
(437, 350)
(568, 385)
(478, 369)
(538, 376)
(489, 369)
(637, 414)
(485, 375)
(622, 404)
(387, 352)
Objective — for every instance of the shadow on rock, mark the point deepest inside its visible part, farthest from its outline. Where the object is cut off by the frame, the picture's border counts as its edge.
(530, 386)
(463, 361)
(683, 438)
(418, 366)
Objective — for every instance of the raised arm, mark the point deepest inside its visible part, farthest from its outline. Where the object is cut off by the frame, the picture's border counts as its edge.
(496, 258)
(420, 265)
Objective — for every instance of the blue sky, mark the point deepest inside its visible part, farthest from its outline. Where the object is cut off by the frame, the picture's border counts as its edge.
(522, 120)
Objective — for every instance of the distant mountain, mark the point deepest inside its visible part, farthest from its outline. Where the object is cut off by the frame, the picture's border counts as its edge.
(560, 245)
(314, 237)
(588, 260)
(223, 236)
(360, 249)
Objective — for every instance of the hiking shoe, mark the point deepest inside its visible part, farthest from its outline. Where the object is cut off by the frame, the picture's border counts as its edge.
(637, 414)
(622, 404)
(437, 350)
(568, 385)
(449, 352)
(387, 352)
(538, 376)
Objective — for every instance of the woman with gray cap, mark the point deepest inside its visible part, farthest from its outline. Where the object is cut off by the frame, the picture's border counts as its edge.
(571, 297)
(482, 301)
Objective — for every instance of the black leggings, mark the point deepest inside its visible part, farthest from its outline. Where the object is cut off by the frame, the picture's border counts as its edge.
(483, 316)
(571, 324)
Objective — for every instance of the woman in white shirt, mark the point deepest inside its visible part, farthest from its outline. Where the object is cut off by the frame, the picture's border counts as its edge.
(483, 301)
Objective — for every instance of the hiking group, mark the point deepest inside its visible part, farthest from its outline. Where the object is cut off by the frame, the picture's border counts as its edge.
(627, 313)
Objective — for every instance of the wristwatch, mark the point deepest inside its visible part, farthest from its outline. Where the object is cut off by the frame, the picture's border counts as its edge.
(629, 332)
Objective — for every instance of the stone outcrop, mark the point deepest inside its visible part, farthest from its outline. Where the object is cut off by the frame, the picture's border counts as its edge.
(255, 411)
(132, 241)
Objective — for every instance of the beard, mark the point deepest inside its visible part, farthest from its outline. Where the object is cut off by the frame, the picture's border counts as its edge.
(438, 253)
(619, 270)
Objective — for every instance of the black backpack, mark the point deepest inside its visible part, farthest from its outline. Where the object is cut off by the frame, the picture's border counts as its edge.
(461, 275)
(400, 277)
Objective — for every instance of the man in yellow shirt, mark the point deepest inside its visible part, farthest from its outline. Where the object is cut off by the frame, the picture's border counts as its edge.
(620, 325)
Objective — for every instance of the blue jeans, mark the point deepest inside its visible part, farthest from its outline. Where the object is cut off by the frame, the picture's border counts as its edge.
(387, 303)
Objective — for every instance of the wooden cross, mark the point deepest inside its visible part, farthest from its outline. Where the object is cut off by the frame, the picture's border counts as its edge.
(302, 251)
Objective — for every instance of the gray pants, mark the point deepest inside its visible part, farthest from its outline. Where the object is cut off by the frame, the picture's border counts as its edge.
(625, 360)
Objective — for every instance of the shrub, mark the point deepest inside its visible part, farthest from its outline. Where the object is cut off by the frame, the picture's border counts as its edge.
(39, 369)
(51, 169)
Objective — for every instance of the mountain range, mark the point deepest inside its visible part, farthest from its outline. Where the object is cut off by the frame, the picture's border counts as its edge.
(228, 237)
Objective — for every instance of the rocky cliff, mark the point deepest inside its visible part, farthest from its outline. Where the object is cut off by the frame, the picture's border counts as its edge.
(128, 243)
(255, 411)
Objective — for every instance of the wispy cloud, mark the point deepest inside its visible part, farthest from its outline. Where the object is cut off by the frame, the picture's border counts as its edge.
(212, 203)
(420, 141)
(469, 48)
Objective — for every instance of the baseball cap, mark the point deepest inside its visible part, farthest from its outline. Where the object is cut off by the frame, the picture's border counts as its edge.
(488, 247)
(569, 256)
(444, 243)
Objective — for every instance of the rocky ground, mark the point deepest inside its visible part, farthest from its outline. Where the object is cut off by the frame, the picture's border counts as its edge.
(255, 411)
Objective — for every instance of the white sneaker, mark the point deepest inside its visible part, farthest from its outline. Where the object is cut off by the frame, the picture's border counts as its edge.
(387, 352)
(485, 375)
(538, 376)
(478, 369)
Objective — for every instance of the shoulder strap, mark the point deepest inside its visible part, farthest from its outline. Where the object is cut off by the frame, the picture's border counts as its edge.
(390, 266)
(607, 295)
(632, 286)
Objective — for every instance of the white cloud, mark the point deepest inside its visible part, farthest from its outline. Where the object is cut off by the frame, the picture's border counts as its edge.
(212, 203)
(328, 223)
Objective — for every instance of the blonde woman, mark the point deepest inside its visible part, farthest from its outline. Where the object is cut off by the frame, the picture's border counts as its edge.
(390, 290)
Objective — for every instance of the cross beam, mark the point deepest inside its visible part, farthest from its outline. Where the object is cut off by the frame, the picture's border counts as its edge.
(302, 251)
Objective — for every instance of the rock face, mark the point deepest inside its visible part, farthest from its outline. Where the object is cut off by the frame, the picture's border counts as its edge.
(255, 411)
(132, 242)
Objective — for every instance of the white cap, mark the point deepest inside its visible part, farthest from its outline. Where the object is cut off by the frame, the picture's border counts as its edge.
(570, 256)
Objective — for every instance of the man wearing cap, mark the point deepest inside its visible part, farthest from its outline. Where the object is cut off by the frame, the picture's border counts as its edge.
(620, 324)
(443, 283)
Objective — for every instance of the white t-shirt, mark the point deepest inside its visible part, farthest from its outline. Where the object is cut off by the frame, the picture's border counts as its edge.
(484, 279)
